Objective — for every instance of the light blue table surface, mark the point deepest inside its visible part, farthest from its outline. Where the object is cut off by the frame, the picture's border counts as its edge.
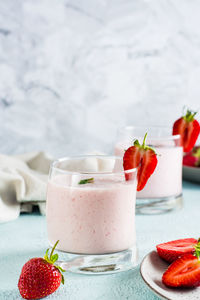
(26, 237)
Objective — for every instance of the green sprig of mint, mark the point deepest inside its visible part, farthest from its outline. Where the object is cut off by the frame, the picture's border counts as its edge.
(88, 180)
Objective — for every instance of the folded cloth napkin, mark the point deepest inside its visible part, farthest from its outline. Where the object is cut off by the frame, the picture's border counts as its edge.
(23, 180)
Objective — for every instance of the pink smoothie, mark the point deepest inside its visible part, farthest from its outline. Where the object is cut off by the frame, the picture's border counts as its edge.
(167, 178)
(93, 218)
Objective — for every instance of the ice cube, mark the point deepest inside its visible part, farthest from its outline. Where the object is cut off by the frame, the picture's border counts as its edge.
(89, 164)
(85, 165)
(106, 164)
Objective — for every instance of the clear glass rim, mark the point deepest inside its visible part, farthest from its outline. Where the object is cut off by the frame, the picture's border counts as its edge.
(67, 158)
(148, 129)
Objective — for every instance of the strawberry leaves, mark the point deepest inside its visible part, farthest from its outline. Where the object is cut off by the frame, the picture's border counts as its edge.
(189, 116)
(197, 249)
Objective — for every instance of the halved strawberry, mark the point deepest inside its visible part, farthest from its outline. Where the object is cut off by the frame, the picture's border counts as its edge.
(183, 272)
(170, 251)
(189, 130)
(142, 157)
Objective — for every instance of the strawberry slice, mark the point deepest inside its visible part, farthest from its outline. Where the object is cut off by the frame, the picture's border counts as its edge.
(170, 251)
(189, 130)
(183, 272)
(142, 157)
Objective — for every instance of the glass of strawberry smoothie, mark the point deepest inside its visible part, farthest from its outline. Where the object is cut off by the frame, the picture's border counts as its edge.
(163, 190)
(91, 211)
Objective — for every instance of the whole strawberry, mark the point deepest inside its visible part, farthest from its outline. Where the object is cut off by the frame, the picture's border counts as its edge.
(40, 277)
(192, 158)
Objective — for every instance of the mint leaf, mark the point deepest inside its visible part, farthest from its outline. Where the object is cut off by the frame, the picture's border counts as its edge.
(84, 181)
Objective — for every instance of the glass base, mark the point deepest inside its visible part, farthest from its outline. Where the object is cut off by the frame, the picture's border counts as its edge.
(99, 263)
(158, 205)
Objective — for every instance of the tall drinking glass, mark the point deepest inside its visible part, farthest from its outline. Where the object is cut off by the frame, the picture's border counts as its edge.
(163, 191)
(91, 211)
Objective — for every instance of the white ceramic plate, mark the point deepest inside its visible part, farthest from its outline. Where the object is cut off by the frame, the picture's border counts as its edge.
(191, 174)
(152, 268)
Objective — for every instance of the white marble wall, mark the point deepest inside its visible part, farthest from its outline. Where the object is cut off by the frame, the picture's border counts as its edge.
(71, 72)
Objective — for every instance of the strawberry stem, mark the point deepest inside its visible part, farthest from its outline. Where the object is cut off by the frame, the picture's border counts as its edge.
(143, 146)
(51, 254)
(53, 258)
(144, 140)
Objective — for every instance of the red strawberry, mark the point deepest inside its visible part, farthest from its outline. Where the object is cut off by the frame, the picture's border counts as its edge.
(189, 130)
(40, 277)
(190, 160)
(141, 157)
(183, 272)
(172, 250)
